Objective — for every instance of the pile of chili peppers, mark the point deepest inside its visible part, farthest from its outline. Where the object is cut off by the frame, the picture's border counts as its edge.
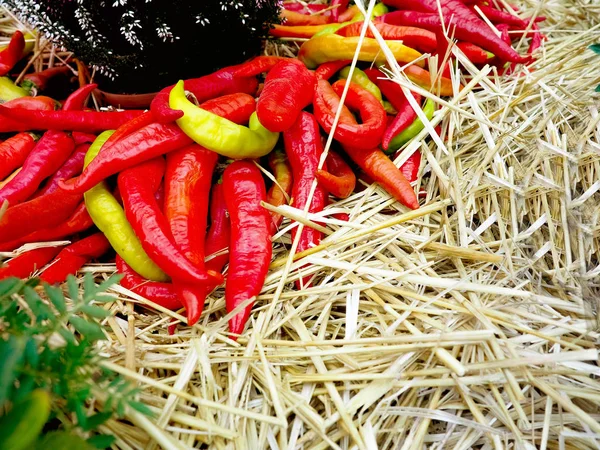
(146, 187)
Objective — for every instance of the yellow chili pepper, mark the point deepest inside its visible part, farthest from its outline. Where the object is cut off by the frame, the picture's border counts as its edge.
(361, 78)
(10, 91)
(109, 217)
(332, 47)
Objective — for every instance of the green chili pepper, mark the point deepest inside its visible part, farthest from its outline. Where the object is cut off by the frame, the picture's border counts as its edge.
(220, 135)
(361, 78)
(330, 29)
(378, 10)
(413, 129)
(10, 91)
(109, 217)
(389, 108)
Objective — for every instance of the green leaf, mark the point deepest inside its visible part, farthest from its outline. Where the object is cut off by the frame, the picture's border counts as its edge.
(141, 407)
(595, 48)
(113, 279)
(10, 286)
(56, 297)
(61, 440)
(95, 311)
(77, 406)
(598, 88)
(11, 354)
(89, 287)
(39, 308)
(96, 420)
(90, 330)
(104, 298)
(31, 353)
(68, 336)
(73, 288)
(102, 440)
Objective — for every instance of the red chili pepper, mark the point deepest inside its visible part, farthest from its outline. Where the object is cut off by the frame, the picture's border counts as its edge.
(379, 167)
(149, 142)
(71, 168)
(137, 186)
(14, 152)
(302, 8)
(326, 70)
(42, 212)
(163, 294)
(279, 192)
(301, 31)
(466, 26)
(496, 16)
(40, 103)
(339, 179)
(295, 18)
(339, 7)
(26, 263)
(88, 121)
(76, 101)
(372, 114)
(349, 14)
(187, 189)
(258, 65)
(79, 221)
(12, 53)
(250, 244)
(474, 53)
(218, 236)
(536, 40)
(38, 81)
(204, 88)
(410, 168)
(80, 138)
(327, 99)
(303, 147)
(417, 38)
(236, 107)
(72, 258)
(51, 151)
(289, 88)
(129, 127)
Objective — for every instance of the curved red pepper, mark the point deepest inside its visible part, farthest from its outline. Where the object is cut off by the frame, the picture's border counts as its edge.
(163, 294)
(250, 245)
(80, 138)
(413, 37)
(128, 128)
(12, 53)
(288, 89)
(88, 121)
(14, 152)
(137, 186)
(280, 191)
(339, 7)
(474, 53)
(39, 103)
(187, 189)
(496, 16)
(236, 107)
(76, 101)
(382, 170)
(410, 168)
(326, 70)
(51, 151)
(26, 263)
(295, 18)
(258, 65)
(71, 258)
(79, 221)
(71, 168)
(366, 134)
(339, 179)
(218, 236)
(42, 212)
(327, 100)
(38, 81)
(303, 147)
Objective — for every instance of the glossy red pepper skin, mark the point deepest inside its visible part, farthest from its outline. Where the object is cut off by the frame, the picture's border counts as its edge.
(38, 81)
(71, 168)
(76, 101)
(326, 70)
(88, 121)
(219, 232)
(42, 212)
(163, 294)
(289, 88)
(12, 53)
(280, 191)
(79, 221)
(339, 179)
(250, 246)
(382, 170)
(71, 258)
(258, 65)
(129, 128)
(51, 151)
(410, 169)
(366, 134)
(14, 152)
(146, 143)
(221, 82)
(80, 138)
(296, 18)
(339, 7)
(26, 263)
(327, 99)
(413, 37)
(137, 186)
(236, 107)
(303, 147)
(39, 103)
(188, 179)
(473, 52)
(467, 26)
(496, 16)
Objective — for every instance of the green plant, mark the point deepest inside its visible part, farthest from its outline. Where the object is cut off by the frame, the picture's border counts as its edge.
(51, 366)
